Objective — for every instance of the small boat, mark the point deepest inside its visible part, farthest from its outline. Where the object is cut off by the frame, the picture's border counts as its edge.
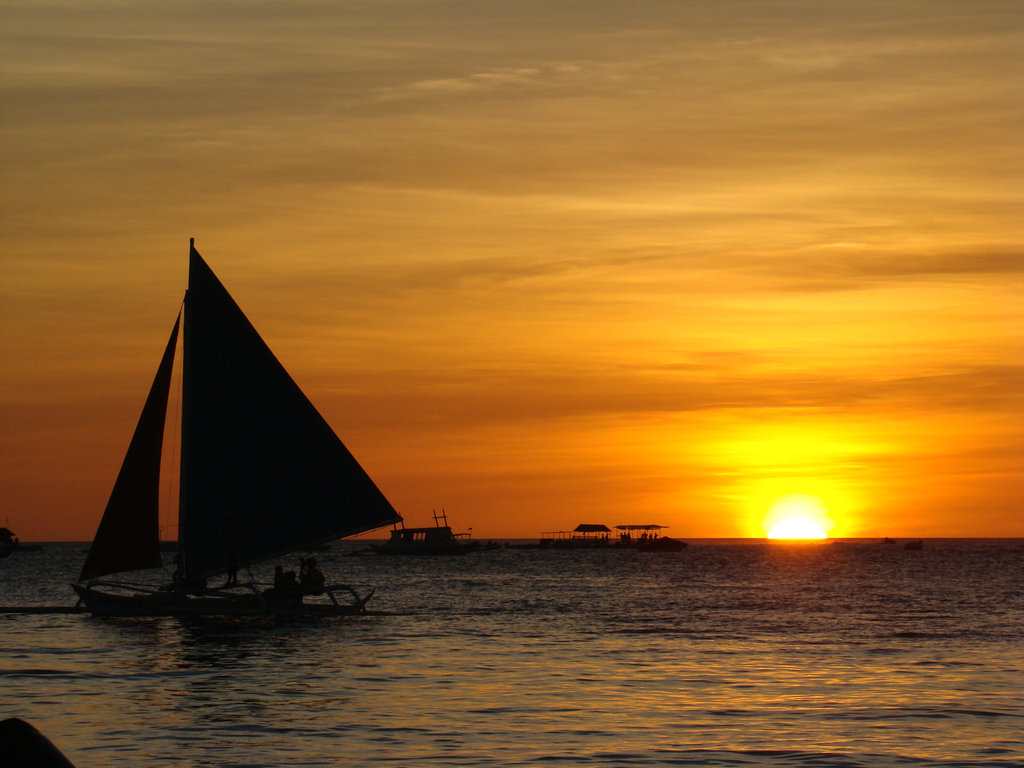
(262, 475)
(643, 538)
(438, 540)
(914, 544)
(9, 543)
(583, 536)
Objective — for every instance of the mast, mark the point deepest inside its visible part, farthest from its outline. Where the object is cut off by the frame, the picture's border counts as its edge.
(186, 403)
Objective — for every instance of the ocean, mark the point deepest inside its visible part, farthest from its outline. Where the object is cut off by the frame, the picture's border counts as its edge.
(730, 653)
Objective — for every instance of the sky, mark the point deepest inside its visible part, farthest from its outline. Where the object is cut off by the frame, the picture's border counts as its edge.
(537, 263)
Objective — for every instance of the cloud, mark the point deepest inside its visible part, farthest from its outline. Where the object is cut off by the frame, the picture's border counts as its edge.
(476, 83)
(839, 269)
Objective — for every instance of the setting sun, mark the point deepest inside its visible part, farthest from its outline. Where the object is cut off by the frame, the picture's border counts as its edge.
(799, 516)
(796, 528)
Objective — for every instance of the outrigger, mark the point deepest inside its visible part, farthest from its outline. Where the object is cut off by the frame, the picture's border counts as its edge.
(112, 598)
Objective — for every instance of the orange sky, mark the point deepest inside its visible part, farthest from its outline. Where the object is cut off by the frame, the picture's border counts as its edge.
(538, 263)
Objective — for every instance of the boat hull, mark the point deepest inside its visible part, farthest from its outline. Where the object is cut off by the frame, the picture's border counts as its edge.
(160, 603)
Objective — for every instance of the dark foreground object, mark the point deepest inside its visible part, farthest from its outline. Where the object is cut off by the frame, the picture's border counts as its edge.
(22, 746)
(41, 609)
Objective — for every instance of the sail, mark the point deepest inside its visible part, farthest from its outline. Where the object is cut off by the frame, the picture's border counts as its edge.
(129, 534)
(262, 473)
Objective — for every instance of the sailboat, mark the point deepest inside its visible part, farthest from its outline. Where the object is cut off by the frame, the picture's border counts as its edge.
(262, 475)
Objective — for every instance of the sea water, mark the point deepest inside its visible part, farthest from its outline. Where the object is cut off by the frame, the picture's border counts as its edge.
(726, 654)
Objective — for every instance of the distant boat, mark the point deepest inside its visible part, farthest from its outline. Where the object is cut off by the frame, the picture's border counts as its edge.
(262, 475)
(643, 538)
(583, 536)
(914, 544)
(9, 544)
(438, 540)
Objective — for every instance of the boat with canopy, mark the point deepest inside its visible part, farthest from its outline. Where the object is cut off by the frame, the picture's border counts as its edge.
(262, 475)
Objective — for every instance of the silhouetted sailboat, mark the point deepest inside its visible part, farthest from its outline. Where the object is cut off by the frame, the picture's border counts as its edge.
(261, 475)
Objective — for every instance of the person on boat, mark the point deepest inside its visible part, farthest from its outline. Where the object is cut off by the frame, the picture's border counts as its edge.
(311, 578)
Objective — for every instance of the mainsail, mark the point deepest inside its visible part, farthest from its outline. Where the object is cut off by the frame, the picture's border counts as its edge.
(129, 534)
(262, 473)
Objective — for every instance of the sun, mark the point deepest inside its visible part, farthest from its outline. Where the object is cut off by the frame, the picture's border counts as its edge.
(798, 517)
(797, 528)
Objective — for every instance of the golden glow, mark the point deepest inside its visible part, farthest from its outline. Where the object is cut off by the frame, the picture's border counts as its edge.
(532, 283)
